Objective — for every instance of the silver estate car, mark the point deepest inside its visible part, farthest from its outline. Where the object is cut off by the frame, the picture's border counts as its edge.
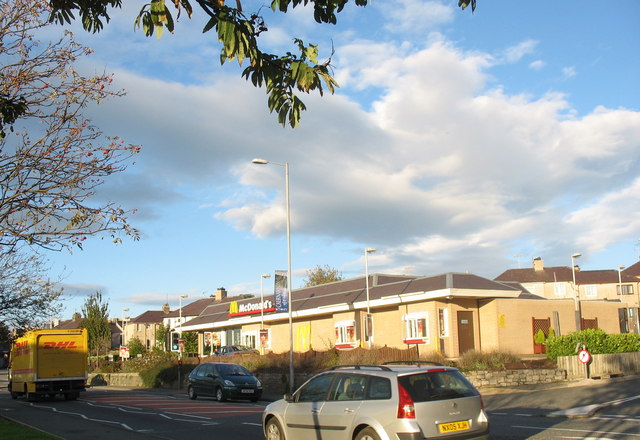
(380, 402)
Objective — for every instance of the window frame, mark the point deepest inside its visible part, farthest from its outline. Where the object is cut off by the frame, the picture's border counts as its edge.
(346, 334)
(412, 334)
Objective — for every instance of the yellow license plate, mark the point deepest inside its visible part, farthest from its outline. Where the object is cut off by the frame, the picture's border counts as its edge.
(453, 426)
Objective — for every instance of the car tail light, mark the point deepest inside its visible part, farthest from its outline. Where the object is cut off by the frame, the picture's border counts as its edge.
(406, 410)
(481, 403)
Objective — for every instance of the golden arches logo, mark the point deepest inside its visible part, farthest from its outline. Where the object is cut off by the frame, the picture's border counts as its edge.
(233, 307)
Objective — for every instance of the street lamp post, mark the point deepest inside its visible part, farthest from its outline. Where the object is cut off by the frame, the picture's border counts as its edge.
(576, 292)
(126, 309)
(184, 295)
(369, 319)
(620, 279)
(262, 277)
(288, 213)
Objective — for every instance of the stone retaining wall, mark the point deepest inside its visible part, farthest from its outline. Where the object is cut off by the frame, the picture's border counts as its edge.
(278, 383)
(508, 378)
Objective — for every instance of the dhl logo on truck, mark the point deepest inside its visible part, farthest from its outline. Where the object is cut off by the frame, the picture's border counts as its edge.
(21, 348)
(69, 345)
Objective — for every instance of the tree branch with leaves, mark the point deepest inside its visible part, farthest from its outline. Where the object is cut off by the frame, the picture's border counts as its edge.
(237, 32)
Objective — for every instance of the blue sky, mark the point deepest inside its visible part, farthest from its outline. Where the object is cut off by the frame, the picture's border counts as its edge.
(456, 142)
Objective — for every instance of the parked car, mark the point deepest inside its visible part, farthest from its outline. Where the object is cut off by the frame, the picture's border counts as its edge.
(234, 350)
(223, 381)
(380, 402)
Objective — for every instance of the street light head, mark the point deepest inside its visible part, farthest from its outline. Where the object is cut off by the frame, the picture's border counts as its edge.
(621, 267)
(266, 275)
(576, 255)
(260, 161)
(184, 295)
(370, 250)
(126, 309)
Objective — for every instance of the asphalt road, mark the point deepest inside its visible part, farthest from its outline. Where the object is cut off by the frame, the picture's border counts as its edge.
(585, 409)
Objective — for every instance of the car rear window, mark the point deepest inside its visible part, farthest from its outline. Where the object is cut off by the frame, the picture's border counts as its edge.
(437, 385)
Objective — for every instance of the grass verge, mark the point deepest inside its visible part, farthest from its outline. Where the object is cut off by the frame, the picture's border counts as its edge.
(15, 431)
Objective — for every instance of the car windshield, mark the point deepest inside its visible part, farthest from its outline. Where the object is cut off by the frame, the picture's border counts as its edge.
(233, 370)
(437, 385)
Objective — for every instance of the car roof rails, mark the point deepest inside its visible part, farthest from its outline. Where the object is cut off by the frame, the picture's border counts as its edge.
(416, 363)
(360, 367)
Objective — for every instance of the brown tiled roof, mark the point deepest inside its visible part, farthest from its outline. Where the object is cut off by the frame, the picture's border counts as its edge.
(70, 323)
(563, 274)
(150, 316)
(353, 290)
(546, 275)
(633, 270)
(194, 308)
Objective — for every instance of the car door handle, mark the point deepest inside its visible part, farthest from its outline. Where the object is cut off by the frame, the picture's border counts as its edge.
(348, 410)
(315, 411)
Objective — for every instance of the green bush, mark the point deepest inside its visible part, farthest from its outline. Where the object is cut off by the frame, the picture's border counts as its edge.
(596, 341)
(539, 338)
(136, 347)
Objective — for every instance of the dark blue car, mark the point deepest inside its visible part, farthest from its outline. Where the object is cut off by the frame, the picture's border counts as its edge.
(223, 381)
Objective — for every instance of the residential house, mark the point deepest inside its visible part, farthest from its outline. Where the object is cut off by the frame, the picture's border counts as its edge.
(144, 327)
(590, 285)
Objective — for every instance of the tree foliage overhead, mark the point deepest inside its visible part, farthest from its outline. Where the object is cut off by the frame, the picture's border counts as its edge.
(237, 31)
(52, 159)
(322, 275)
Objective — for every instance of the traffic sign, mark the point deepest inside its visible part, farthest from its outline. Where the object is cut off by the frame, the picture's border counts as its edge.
(584, 356)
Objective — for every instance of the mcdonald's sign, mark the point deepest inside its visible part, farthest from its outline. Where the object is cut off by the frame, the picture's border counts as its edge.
(250, 308)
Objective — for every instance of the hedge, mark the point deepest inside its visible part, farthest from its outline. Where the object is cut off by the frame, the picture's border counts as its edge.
(596, 341)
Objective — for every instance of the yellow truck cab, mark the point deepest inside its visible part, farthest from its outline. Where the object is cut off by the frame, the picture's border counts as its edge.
(49, 362)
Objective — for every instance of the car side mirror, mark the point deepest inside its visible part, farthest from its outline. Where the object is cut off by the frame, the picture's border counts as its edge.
(288, 398)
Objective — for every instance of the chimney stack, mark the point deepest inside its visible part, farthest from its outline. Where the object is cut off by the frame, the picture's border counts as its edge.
(538, 264)
(166, 309)
(221, 294)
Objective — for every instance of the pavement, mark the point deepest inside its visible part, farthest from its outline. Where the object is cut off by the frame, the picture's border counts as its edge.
(574, 412)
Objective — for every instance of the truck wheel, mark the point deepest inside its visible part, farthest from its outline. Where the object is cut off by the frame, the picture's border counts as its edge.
(71, 396)
(14, 395)
(31, 397)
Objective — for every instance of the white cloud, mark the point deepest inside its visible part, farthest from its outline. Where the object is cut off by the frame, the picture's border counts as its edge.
(537, 65)
(569, 72)
(515, 53)
(415, 16)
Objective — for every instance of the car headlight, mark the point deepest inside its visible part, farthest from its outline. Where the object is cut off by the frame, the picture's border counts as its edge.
(228, 383)
(258, 384)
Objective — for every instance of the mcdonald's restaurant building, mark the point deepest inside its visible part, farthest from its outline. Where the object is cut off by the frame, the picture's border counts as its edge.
(449, 313)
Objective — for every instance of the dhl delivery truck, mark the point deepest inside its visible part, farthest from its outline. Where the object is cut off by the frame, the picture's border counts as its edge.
(49, 362)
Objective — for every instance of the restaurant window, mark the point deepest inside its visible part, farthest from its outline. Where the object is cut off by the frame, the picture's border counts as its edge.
(443, 322)
(250, 340)
(346, 334)
(591, 291)
(416, 328)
